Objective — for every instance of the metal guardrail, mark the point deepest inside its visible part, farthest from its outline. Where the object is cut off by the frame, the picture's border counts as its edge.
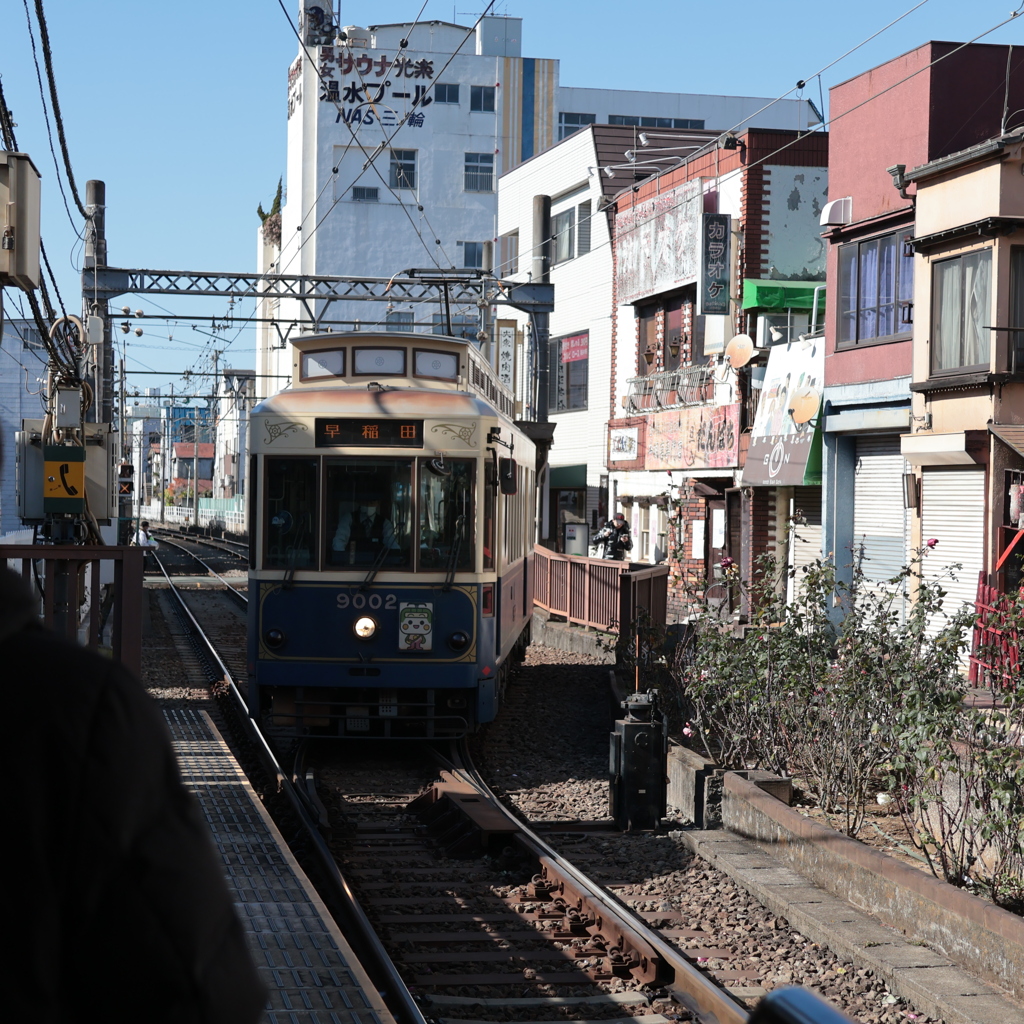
(596, 592)
(672, 389)
(69, 583)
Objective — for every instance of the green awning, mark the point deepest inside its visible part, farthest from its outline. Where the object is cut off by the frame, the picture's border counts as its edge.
(782, 294)
(568, 476)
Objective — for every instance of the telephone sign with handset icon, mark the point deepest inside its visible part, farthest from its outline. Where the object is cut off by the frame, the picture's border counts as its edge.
(64, 478)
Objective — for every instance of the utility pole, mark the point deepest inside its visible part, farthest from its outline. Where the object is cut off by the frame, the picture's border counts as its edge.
(195, 469)
(94, 308)
(214, 415)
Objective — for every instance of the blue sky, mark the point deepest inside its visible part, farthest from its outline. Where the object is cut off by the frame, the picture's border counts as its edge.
(180, 108)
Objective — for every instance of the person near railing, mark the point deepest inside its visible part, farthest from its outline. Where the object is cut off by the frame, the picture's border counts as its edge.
(613, 540)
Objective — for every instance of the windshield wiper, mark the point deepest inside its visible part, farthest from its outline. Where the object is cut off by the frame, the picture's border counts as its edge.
(375, 568)
(453, 555)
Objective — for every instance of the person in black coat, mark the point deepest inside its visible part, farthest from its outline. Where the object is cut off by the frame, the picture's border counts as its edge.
(613, 540)
(115, 899)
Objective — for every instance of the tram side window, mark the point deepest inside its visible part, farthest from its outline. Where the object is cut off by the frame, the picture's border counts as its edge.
(290, 514)
(447, 524)
(488, 537)
(368, 512)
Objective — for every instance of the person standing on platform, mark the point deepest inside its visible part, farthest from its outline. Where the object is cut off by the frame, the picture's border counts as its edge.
(118, 901)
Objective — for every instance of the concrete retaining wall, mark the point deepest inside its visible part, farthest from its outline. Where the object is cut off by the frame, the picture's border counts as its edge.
(564, 637)
(982, 938)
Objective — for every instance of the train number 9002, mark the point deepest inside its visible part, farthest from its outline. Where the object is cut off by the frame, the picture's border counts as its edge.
(371, 601)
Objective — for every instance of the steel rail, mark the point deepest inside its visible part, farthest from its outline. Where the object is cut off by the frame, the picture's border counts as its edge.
(709, 1003)
(213, 572)
(396, 994)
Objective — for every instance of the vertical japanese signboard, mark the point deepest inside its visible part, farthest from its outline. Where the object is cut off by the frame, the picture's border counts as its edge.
(715, 261)
(506, 352)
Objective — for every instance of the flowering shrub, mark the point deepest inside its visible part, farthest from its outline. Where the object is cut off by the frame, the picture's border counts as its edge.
(870, 700)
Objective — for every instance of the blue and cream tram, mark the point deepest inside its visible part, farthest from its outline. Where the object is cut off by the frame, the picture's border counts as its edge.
(392, 525)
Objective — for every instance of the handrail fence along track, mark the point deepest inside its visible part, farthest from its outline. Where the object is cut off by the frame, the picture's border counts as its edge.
(598, 593)
(70, 589)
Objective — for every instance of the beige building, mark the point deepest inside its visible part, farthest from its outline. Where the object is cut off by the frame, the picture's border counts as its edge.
(966, 442)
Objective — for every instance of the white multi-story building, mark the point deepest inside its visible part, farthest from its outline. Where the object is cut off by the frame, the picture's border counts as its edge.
(397, 135)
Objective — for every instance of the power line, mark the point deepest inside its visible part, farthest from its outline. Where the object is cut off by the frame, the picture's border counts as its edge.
(44, 38)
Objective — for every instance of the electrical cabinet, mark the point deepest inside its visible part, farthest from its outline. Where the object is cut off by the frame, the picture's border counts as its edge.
(19, 221)
(100, 477)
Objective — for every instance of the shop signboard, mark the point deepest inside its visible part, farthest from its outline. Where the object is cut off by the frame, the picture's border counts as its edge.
(701, 437)
(785, 443)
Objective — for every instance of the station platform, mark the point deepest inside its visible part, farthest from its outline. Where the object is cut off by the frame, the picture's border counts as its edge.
(311, 973)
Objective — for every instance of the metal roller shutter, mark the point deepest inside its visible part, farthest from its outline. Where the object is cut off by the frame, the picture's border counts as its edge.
(805, 540)
(879, 518)
(953, 512)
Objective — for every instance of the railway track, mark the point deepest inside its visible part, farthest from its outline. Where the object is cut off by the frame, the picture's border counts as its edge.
(464, 912)
(484, 918)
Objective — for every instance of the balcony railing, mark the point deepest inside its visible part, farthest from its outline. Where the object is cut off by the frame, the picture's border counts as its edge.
(678, 389)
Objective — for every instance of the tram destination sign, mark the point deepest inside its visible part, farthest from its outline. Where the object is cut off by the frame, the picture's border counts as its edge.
(368, 433)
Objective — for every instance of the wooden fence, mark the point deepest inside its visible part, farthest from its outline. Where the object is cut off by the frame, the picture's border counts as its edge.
(69, 583)
(596, 592)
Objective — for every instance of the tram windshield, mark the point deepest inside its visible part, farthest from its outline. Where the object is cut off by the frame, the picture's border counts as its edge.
(368, 512)
(446, 514)
(291, 519)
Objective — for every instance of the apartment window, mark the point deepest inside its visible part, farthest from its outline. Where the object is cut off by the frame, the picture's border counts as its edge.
(876, 289)
(365, 194)
(508, 255)
(446, 92)
(568, 365)
(472, 254)
(403, 168)
(568, 123)
(479, 172)
(481, 97)
(961, 311)
(400, 320)
(655, 122)
(563, 233)
(583, 228)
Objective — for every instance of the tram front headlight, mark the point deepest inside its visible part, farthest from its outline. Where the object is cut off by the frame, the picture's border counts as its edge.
(458, 641)
(364, 627)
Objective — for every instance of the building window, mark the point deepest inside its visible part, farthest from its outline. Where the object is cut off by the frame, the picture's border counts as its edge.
(479, 172)
(508, 255)
(647, 336)
(961, 311)
(365, 194)
(446, 92)
(1016, 338)
(400, 320)
(403, 168)
(481, 97)
(472, 254)
(876, 289)
(463, 325)
(568, 124)
(583, 228)
(563, 235)
(655, 122)
(568, 362)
